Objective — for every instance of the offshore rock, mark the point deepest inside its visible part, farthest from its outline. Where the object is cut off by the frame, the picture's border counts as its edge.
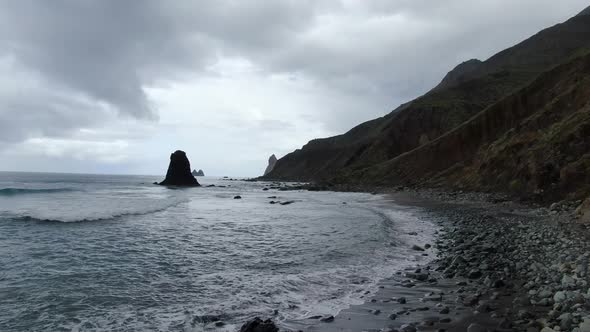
(179, 171)
(199, 173)
(258, 325)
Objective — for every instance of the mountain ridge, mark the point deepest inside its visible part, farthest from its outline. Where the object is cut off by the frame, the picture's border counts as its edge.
(464, 92)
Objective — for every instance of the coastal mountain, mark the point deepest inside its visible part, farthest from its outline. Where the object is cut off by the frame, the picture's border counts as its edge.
(535, 141)
(525, 102)
(272, 161)
(198, 173)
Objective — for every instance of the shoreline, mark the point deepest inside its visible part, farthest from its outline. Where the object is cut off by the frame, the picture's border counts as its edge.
(501, 266)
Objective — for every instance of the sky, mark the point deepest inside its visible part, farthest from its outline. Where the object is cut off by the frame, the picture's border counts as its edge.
(115, 86)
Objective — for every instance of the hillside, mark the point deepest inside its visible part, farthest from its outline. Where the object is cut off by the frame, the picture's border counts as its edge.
(534, 142)
(467, 90)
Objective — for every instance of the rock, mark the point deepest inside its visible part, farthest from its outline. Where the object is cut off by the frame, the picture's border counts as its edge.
(198, 173)
(498, 283)
(272, 161)
(568, 281)
(407, 328)
(483, 307)
(392, 316)
(327, 319)
(287, 203)
(544, 294)
(258, 325)
(401, 300)
(417, 248)
(179, 171)
(583, 211)
(238, 197)
(524, 314)
(418, 276)
(474, 327)
(474, 274)
(565, 321)
(559, 297)
(585, 325)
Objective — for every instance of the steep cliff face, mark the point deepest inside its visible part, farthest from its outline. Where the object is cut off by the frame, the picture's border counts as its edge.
(272, 161)
(466, 91)
(534, 142)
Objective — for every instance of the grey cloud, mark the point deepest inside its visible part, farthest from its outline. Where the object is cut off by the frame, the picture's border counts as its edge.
(91, 59)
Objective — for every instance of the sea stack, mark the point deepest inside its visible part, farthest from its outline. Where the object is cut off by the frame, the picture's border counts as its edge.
(272, 161)
(179, 171)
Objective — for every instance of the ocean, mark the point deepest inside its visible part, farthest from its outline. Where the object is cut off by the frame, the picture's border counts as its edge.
(117, 253)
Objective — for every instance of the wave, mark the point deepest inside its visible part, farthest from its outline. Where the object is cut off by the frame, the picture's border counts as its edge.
(24, 191)
(105, 217)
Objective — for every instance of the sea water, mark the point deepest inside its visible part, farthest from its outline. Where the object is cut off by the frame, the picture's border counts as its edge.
(105, 252)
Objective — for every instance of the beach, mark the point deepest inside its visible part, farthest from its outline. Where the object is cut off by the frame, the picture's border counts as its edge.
(500, 266)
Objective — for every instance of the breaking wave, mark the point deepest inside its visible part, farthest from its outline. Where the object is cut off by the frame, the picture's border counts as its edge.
(23, 191)
(153, 208)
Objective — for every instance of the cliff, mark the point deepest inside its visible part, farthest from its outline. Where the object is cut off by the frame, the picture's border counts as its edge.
(386, 150)
(534, 142)
(272, 161)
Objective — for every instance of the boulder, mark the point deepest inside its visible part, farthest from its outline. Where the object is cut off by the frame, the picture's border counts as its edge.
(272, 161)
(583, 211)
(179, 171)
(258, 325)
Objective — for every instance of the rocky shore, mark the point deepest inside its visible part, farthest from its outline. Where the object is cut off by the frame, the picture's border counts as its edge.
(499, 266)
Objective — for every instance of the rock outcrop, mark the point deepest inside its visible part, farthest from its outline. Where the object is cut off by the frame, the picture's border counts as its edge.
(583, 211)
(258, 325)
(272, 161)
(179, 171)
(198, 173)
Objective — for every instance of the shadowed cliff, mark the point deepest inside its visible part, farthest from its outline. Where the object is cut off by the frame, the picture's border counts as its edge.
(534, 142)
(467, 130)
(466, 91)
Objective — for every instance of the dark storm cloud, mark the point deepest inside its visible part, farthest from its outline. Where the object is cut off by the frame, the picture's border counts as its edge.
(92, 59)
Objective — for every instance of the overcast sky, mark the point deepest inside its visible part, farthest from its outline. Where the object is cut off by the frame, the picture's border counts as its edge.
(115, 86)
